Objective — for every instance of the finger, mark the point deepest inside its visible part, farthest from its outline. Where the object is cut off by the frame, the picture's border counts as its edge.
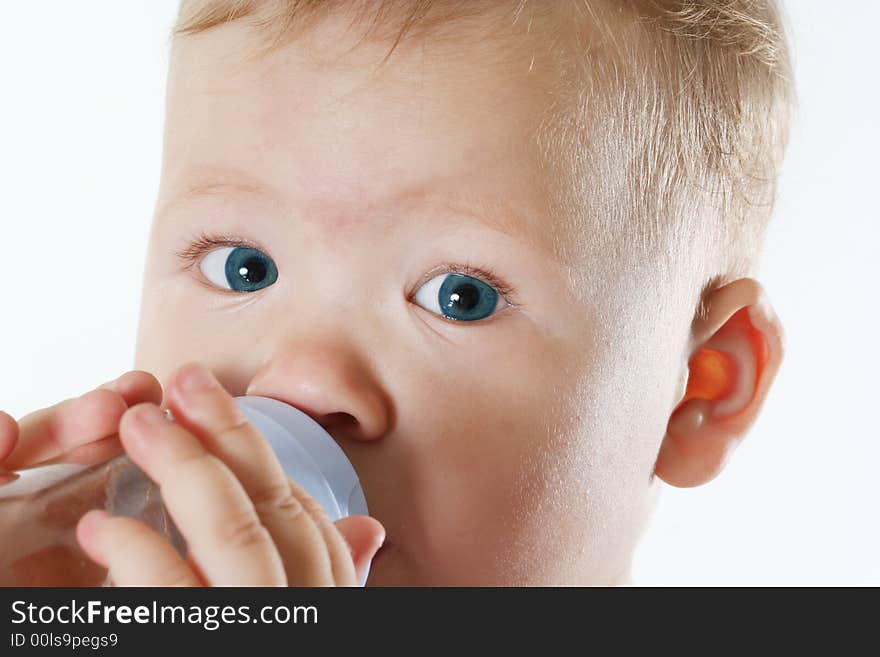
(8, 438)
(8, 435)
(364, 536)
(136, 387)
(212, 415)
(90, 453)
(53, 431)
(47, 435)
(342, 567)
(215, 516)
(134, 554)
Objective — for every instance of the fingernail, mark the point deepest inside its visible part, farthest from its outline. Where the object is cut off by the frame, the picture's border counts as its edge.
(151, 416)
(89, 533)
(380, 539)
(92, 520)
(95, 516)
(197, 378)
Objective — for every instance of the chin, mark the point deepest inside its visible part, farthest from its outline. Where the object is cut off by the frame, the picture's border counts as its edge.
(391, 568)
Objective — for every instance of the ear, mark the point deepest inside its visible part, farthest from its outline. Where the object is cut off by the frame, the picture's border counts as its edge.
(737, 349)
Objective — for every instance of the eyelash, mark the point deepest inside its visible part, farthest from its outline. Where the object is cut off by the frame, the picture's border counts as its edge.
(205, 242)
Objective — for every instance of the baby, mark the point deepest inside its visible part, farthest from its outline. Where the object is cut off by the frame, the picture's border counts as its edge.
(502, 251)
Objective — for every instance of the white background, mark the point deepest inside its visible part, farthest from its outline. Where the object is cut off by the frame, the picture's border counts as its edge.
(80, 138)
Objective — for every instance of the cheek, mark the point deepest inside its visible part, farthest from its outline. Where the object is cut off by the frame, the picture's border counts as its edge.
(499, 463)
(538, 474)
(176, 325)
(156, 336)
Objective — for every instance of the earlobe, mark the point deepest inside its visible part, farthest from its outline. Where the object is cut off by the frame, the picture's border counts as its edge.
(739, 349)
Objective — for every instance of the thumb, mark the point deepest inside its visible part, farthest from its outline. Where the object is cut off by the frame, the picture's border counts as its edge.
(364, 536)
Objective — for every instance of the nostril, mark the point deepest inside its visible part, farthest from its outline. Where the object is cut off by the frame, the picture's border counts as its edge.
(338, 420)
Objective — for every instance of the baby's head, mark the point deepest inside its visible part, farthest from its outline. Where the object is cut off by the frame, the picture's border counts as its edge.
(501, 250)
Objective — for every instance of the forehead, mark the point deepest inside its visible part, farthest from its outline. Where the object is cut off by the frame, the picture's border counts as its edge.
(320, 123)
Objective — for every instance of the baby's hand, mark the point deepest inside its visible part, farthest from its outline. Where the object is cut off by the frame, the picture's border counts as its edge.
(78, 430)
(244, 521)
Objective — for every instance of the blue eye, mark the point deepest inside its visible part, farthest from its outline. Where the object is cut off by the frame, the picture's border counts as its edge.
(459, 297)
(241, 269)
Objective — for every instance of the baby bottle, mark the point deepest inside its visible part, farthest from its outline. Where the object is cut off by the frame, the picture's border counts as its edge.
(40, 510)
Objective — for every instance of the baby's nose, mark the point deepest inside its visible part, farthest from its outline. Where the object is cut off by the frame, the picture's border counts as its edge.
(332, 385)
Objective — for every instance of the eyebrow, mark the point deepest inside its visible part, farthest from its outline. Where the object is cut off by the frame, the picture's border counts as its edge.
(496, 213)
(213, 189)
(509, 218)
(195, 191)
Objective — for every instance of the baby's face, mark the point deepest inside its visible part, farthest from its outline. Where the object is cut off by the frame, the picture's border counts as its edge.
(505, 428)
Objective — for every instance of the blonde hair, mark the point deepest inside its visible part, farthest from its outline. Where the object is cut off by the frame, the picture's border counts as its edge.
(669, 118)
